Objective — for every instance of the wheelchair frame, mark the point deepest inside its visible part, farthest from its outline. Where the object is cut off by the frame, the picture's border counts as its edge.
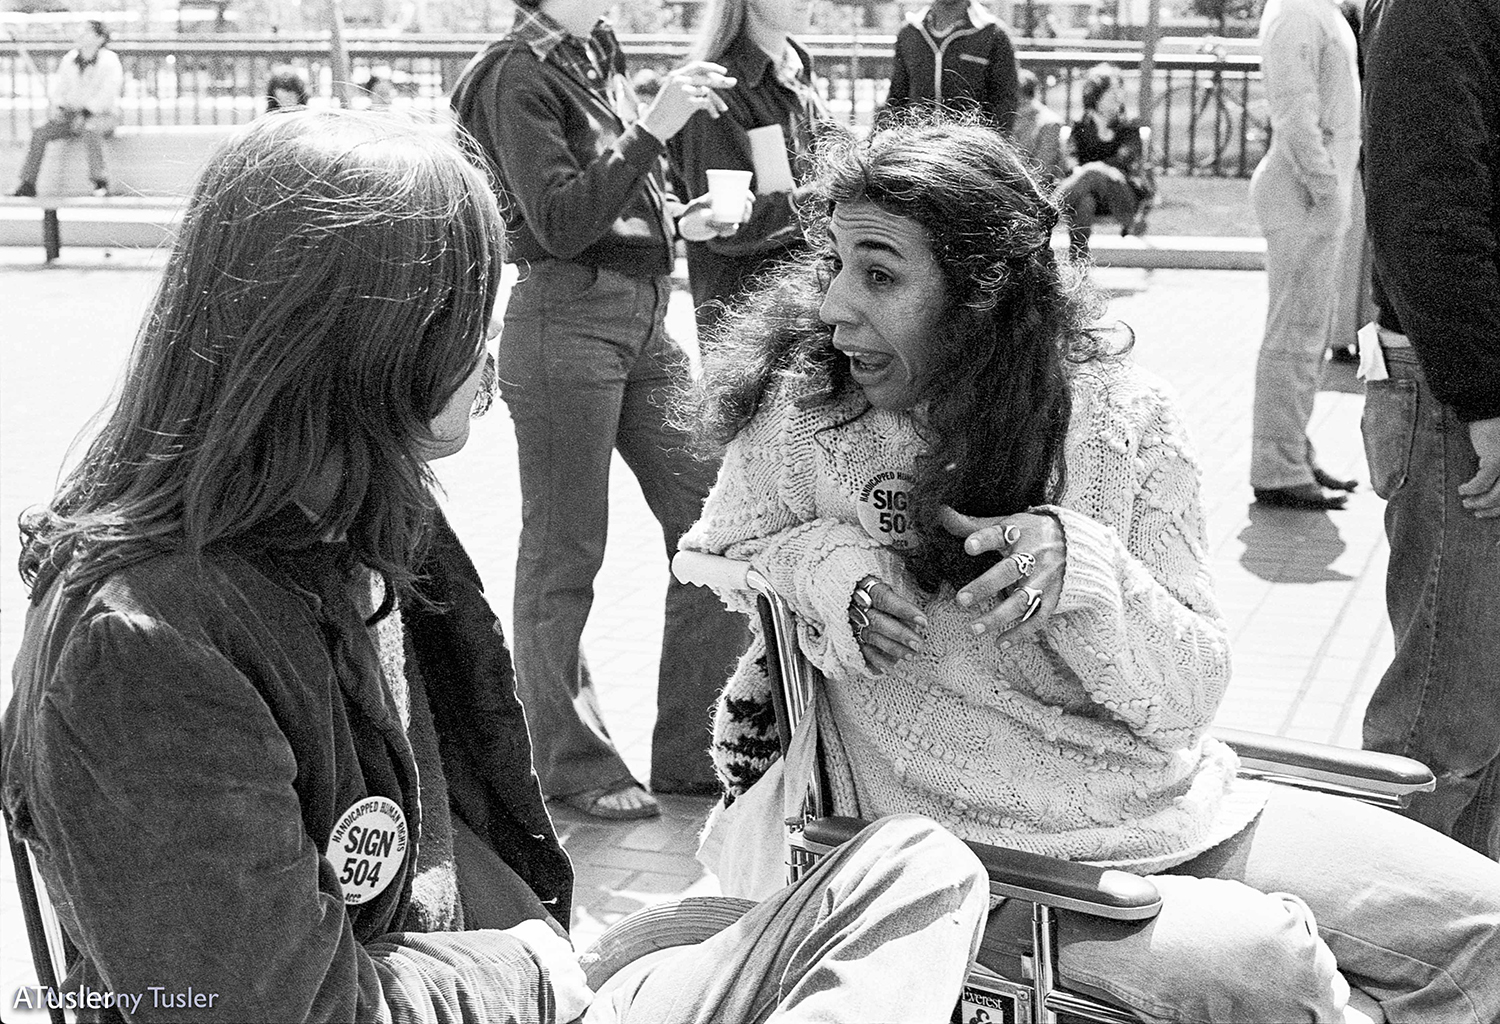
(1047, 883)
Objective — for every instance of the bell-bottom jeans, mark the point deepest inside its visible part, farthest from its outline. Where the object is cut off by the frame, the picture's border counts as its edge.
(586, 368)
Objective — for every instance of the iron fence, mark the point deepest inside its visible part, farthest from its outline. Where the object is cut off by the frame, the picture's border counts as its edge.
(1209, 115)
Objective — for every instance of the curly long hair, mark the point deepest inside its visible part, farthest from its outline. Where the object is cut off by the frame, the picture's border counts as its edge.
(995, 402)
(327, 295)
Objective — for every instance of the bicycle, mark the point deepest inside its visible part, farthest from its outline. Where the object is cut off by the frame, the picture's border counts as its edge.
(1199, 124)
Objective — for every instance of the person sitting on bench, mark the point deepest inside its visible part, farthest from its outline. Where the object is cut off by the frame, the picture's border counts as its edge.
(85, 101)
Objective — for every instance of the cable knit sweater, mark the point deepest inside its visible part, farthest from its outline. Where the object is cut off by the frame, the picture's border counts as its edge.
(1085, 741)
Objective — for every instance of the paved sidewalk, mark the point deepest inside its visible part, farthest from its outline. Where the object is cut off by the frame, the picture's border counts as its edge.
(1302, 591)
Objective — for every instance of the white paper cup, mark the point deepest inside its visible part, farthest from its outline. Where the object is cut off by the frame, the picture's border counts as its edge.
(726, 192)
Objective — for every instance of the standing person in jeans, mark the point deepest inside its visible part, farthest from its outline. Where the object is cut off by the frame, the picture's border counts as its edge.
(585, 367)
(85, 101)
(1303, 194)
(1432, 426)
(774, 87)
(955, 54)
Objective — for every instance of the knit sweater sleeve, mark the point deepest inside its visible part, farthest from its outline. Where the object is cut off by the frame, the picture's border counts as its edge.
(763, 509)
(1137, 621)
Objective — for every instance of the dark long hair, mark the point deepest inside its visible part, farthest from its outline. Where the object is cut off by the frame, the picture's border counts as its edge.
(328, 293)
(995, 402)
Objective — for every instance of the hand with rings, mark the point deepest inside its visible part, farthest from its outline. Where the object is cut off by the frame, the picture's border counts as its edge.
(885, 624)
(1029, 577)
(684, 92)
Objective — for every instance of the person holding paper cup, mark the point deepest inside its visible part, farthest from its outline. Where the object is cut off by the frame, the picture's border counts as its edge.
(766, 129)
(585, 364)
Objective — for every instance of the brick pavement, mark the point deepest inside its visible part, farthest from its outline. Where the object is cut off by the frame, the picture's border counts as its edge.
(1302, 591)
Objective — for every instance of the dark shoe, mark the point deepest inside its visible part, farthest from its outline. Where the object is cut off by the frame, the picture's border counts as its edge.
(1309, 497)
(101, 188)
(605, 802)
(26, 190)
(1135, 225)
(1333, 483)
(1344, 354)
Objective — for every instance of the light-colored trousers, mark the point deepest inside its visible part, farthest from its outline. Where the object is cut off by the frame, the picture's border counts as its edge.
(1307, 274)
(882, 931)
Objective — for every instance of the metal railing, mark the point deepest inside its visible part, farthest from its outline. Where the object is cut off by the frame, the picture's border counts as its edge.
(1209, 116)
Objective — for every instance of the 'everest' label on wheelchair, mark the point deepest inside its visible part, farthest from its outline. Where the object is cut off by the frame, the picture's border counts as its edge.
(884, 510)
(982, 1005)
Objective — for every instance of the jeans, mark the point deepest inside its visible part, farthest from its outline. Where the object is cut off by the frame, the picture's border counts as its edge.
(1302, 267)
(1265, 926)
(1439, 701)
(585, 368)
(69, 125)
(882, 931)
(1093, 189)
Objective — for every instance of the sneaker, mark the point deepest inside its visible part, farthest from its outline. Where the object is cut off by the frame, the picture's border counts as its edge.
(101, 188)
(26, 190)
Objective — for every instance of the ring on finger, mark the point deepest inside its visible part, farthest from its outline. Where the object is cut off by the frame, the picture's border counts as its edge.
(1033, 601)
(859, 618)
(1012, 533)
(1025, 563)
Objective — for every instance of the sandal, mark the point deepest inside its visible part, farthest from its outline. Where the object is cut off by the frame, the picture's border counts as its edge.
(592, 802)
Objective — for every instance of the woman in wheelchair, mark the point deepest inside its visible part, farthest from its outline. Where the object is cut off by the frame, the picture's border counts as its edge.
(988, 522)
(265, 748)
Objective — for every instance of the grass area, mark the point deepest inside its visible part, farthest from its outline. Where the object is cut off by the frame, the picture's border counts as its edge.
(1202, 206)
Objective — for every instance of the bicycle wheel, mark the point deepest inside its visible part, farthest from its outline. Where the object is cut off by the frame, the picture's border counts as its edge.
(1193, 125)
(683, 922)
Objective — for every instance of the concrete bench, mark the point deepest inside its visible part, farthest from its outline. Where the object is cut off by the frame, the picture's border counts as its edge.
(150, 168)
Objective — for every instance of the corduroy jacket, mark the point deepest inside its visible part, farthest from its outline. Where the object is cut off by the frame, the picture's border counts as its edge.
(187, 736)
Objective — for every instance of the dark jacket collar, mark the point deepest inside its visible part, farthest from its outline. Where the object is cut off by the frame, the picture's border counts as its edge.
(750, 64)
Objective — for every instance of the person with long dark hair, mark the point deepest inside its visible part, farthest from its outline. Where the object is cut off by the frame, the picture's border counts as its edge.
(265, 747)
(754, 41)
(988, 521)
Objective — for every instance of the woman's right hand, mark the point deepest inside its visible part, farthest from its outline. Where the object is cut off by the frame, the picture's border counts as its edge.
(885, 624)
(684, 92)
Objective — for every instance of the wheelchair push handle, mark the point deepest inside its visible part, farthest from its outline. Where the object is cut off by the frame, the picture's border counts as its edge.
(704, 570)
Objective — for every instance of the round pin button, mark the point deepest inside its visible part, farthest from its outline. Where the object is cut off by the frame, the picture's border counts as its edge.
(367, 846)
(885, 510)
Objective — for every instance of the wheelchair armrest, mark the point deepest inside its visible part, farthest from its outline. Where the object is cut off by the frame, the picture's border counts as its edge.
(1061, 884)
(1385, 777)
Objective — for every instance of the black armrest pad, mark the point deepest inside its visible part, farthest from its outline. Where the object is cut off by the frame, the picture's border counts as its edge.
(1386, 771)
(1102, 892)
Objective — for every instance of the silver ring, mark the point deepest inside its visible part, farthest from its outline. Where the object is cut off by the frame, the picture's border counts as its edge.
(1012, 533)
(860, 620)
(1034, 601)
(1025, 563)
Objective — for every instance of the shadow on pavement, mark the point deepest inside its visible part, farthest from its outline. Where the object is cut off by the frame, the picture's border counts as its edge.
(1291, 546)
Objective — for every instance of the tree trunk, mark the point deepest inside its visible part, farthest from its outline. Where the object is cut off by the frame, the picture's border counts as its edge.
(338, 54)
(1149, 40)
